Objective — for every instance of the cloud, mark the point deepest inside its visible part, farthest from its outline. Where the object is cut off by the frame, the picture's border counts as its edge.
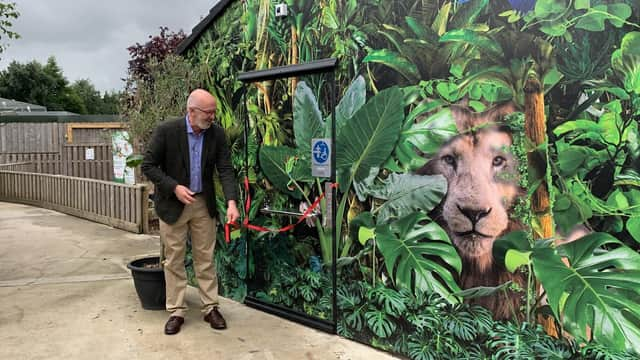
(89, 39)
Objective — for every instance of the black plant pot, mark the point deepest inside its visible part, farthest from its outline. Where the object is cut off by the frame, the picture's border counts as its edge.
(149, 282)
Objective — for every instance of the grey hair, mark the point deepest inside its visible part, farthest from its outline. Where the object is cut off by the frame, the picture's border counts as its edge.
(190, 101)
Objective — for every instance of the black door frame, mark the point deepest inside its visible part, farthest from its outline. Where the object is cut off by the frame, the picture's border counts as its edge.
(283, 72)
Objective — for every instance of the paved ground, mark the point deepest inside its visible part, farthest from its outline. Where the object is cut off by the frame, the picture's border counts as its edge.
(66, 294)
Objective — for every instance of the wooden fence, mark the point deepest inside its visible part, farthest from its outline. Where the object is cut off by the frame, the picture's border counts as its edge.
(74, 162)
(118, 205)
(60, 148)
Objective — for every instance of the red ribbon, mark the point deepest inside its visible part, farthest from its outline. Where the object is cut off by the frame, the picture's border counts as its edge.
(247, 206)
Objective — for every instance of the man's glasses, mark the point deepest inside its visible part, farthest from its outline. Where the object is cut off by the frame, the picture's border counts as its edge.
(208, 112)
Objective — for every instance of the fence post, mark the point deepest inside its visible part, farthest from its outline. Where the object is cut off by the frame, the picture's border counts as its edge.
(145, 209)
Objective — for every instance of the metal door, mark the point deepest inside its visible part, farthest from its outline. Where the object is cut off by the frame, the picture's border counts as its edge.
(290, 129)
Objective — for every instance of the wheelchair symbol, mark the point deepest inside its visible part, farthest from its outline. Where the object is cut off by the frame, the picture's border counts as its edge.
(321, 152)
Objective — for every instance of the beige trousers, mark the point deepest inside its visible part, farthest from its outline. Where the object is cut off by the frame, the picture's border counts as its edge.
(195, 217)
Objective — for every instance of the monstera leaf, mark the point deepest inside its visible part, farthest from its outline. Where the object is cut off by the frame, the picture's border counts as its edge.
(368, 139)
(598, 290)
(406, 193)
(307, 120)
(409, 246)
(282, 164)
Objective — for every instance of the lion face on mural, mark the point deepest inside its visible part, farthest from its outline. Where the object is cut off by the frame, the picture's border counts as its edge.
(482, 176)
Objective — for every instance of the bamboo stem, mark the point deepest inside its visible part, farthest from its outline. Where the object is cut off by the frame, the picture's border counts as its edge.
(536, 130)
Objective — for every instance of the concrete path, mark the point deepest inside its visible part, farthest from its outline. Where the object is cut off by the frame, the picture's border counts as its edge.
(65, 293)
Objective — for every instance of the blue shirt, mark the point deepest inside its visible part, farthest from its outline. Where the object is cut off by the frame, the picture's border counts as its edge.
(195, 157)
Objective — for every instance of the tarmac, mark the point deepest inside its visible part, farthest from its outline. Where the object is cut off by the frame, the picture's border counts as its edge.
(65, 293)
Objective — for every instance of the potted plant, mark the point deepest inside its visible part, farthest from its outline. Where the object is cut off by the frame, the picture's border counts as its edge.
(147, 272)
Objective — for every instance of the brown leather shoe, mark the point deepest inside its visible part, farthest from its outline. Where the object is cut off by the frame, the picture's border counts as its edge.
(215, 319)
(173, 325)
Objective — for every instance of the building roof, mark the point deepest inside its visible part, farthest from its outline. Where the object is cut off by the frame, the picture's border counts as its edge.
(202, 26)
(14, 106)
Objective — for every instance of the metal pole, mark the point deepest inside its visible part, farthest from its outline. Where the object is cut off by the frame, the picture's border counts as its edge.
(334, 190)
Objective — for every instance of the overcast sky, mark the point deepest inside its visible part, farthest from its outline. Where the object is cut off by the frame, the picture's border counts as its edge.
(89, 38)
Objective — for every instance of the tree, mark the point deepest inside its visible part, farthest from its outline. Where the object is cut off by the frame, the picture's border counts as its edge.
(157, 48)
(110, 103)
(46, 85)
(34, 83)
(88, 94)
(8, 13)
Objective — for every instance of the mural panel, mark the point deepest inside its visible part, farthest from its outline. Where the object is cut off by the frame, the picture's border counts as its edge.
(483, 147)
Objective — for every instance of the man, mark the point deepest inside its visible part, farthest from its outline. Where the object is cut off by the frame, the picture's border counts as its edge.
(180, 161)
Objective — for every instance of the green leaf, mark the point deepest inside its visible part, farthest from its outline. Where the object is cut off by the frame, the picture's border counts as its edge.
(134, 160)
(512, 250)
(365, 234)
(467, 13)
(329, 18)
(351, 102)
(416, 26)
(620, 12)
(554, 28)
(475, 39)
(592, 21)
(577, 125)
(369, 138)
(395, 61)
(274, 160)
(431, 133)
(307, 120)
(545, 8)
(406, 193)
(409, 248)
(571, 160)
(380, 323)
(582, 4)
(568, 211)
(440, 23)
(599, 286)
(626, 61)
(391, 300)
(448, 91)
(483, 291)
(633, 227)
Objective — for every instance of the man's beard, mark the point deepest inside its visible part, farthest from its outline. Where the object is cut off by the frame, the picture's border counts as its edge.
(203, 124)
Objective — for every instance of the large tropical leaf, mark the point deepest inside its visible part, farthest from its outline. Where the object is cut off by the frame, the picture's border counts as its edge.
(307, 120)
(368, 139)
(598, 290)
(407, 193)
(351, 102)
(431, 133)
(409, 247)
(281, 164)
(395, 61)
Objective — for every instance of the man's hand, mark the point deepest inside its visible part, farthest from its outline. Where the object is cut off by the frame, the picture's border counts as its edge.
(232, 212)
(184, 194)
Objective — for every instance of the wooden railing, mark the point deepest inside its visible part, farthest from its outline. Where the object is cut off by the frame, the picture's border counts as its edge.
(118, 205)
(26, 166)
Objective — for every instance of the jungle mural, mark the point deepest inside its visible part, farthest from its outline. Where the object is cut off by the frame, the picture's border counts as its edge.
(483, 148)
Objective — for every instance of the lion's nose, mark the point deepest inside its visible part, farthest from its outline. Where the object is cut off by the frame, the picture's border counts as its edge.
(474, 215)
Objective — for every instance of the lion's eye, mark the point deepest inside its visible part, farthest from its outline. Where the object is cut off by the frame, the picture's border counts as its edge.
(499, 161)
(449, 160)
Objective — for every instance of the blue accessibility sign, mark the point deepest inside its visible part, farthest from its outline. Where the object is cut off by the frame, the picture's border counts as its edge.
(321, 152)
(321, 157)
